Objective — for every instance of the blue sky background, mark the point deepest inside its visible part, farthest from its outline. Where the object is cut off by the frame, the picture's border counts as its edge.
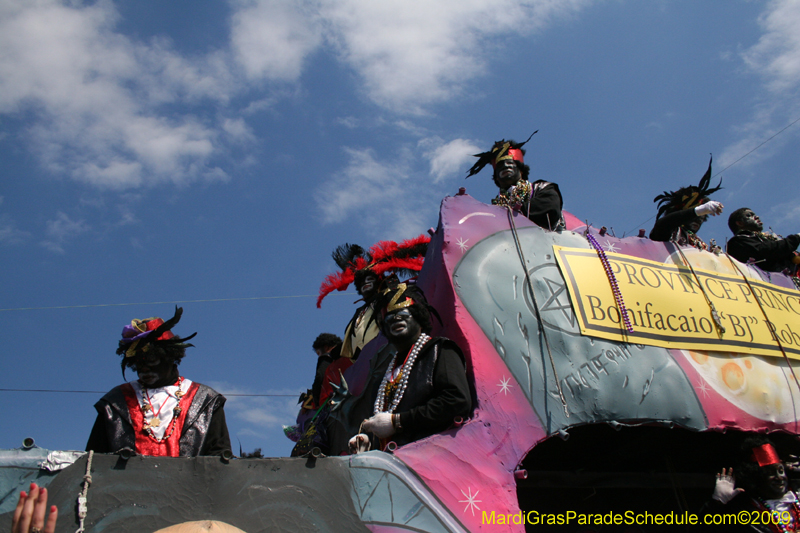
(198, 151)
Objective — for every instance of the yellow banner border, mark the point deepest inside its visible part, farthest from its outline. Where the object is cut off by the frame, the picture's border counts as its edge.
(723, 344)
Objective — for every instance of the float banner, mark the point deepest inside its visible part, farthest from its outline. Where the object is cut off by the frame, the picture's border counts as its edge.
(667, 308)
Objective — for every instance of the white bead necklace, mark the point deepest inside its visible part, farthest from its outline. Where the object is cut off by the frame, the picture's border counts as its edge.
(405, 371)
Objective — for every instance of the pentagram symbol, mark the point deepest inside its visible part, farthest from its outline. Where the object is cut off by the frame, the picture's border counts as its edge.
(554, 304)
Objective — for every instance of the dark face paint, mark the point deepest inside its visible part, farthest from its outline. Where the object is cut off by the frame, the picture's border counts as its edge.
(401, 328)
(695, 224)
(750, 222)
(369, 287)
(774, 482)
(506, 174)
(154, 368)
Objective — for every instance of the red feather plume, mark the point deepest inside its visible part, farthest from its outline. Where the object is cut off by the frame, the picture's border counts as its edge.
(382, 257)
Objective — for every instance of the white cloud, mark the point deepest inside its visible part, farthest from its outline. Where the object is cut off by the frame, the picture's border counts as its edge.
(96, 95)
(390, 199)
(412, 53)
(238, 129)
(776, 59)
(272, 38)
(127, 216)
(359, 187)
(9, 233)
(270, 412)
(62, 229)
(118, 113)
(777, 54)
(450, 158)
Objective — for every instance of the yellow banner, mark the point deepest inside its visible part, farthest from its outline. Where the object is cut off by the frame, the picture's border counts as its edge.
(667, 307)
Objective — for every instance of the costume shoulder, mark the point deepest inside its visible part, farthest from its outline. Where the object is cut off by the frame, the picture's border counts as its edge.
(446, 344)
(665, 226)
(206, 394)
(115, 397)
(544, 185)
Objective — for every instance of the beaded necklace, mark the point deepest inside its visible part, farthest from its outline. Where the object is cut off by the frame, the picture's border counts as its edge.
(394, 388)
(761, 235)
(777, 523)
(517, 197)
(601, 253)
(147, 407)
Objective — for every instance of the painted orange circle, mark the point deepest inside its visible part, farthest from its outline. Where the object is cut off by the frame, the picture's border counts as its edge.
(733, 376)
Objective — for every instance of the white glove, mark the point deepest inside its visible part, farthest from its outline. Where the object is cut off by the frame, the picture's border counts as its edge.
(359, 443)
(724, 491)
(709, 208)
(380, 424)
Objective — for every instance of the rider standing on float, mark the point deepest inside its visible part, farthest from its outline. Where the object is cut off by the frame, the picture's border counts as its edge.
(540, 201)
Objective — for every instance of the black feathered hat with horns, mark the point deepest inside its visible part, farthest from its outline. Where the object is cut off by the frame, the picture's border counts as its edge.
(143, 334)
(502, 149)
(686, 197)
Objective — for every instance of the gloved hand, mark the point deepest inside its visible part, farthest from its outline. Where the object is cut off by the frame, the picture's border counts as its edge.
(709, 208)
(359, 443)
(724, 491)
(380, 424)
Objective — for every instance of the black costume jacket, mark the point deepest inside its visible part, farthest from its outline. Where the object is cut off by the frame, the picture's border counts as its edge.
(437, 390)
(204, 431)
(770, 255)
(665, 227)
(545, 205)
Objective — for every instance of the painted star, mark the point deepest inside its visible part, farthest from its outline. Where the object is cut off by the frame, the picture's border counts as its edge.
(462, 243)
(704, 389)
(505, 385)
(470, 501)
(610, 246)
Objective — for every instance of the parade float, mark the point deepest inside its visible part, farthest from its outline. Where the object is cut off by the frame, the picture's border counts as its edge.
(609, 375)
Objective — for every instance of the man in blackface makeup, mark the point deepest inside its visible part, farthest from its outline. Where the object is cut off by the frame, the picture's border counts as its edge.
(762, 484)
(366, 269)
(161, 413)
(768, 251)
(540, 200)
(418, 385)
(681, 213)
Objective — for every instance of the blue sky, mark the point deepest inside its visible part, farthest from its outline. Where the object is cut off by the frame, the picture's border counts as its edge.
(215, 153)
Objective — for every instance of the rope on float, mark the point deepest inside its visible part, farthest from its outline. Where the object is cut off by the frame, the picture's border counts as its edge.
(714, 314)
(83, 508)
(766, 318)
(542, 331)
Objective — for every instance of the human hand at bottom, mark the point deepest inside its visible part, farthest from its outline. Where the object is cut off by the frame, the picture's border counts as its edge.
(359, 443)
(29, 516)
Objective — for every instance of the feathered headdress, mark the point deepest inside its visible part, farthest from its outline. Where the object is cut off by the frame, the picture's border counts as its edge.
(501, 150)
(140, 334)
(383, 257)
(686, 197)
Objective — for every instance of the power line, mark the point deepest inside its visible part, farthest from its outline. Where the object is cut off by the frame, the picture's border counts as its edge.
(103, 392)
(795, 121)
(172, 302)
(757, 147)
